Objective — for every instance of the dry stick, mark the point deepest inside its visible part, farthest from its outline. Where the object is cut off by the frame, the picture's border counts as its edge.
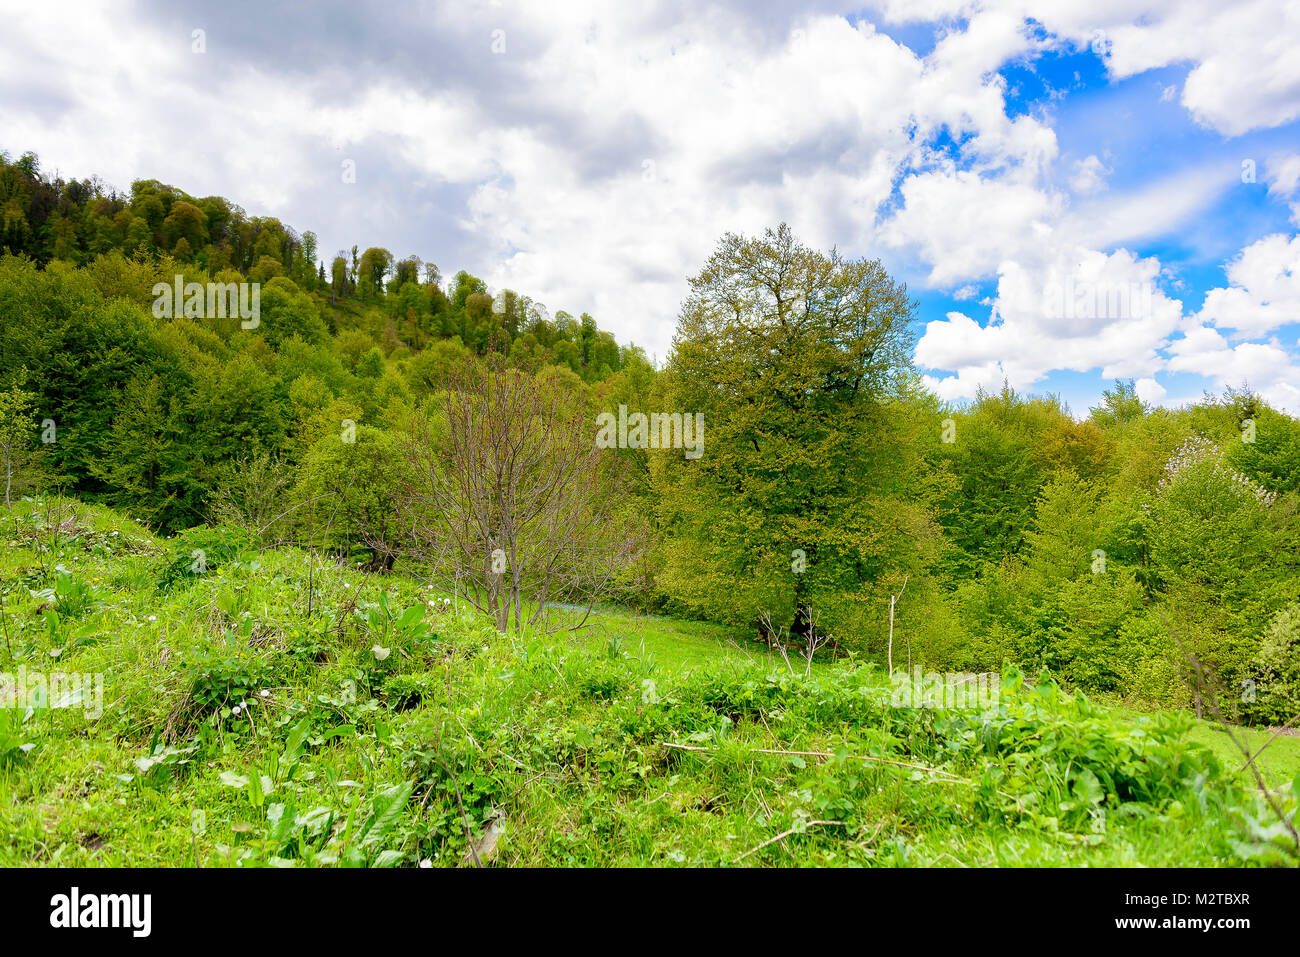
(892, 599)
(732, 641)
(1213, 701)
(783, 835)
(1251, 759)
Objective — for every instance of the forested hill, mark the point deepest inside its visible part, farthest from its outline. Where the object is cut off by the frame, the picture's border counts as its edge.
(76, 221)
(148, 411)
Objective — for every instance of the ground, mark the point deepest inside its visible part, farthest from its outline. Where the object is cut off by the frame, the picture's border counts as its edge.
(274, 708)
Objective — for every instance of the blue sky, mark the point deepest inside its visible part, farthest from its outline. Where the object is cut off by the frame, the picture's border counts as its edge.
(1144, 134)
(990, 152)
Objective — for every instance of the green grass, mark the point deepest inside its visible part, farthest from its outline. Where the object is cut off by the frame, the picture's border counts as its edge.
(1279, 762)
(388, 736)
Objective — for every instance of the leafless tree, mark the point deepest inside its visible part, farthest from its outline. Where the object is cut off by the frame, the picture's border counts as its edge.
(776, 636)
(813, 641)
(510, 502)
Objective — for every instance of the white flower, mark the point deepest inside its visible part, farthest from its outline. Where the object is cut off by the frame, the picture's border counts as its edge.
(152, 618)
(235, 710)
(426, 863)
(265, 693)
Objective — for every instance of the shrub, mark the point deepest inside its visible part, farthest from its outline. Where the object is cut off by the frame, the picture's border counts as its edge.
(197, 551)
(1276, 671)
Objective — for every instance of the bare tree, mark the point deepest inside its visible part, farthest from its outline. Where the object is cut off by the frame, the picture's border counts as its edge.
(813, 641)
(510, 502)
(15, 426)
(775, 636)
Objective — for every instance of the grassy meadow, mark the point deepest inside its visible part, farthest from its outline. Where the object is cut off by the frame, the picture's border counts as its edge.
(277, 709)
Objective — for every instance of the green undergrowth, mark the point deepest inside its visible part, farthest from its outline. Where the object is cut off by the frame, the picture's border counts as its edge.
(272, 708)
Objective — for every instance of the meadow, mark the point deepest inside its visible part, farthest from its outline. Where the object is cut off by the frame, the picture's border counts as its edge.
(274, 707)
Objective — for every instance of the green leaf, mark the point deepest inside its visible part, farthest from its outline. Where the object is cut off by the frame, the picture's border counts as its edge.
(386, 809)
(294, 746)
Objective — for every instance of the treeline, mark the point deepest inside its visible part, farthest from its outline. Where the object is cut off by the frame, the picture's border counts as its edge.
(48, 218)
(1122, 552)
(151, 410)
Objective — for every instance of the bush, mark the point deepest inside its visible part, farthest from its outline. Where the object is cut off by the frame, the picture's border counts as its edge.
(1276, 671)
(197, 551)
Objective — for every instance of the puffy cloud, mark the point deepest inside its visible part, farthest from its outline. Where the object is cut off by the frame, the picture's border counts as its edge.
(1089, 175)
(1078, 310)
(966, 224)
(1264, 288)
(1266, 368)
(590, 155)
(1149, 390)
(1244, 73)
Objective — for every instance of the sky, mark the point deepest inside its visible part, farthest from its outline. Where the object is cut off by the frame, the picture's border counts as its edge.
(1074, 192)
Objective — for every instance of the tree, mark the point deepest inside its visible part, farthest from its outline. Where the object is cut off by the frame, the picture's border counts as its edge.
(510, 501)
(347, 488)
(339, 278)
(807, 491)
(287, 311)
(1224, 552)
(185, 221)
(1119, 406)
(141, 463)
(15, 431)
(375, 264)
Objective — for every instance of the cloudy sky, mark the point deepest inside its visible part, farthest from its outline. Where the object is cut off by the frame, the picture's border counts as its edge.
(1073, 191)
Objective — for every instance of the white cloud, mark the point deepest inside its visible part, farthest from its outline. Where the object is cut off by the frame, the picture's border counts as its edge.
(1282, 172)
(1264, 289)
(1089, 175)
(1150, 391)
(1244, 72)
(594, 164)
(965, 224)
(1078, 310)
(1264, 367)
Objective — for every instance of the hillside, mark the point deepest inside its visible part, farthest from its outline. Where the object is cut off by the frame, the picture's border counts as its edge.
(278, 708)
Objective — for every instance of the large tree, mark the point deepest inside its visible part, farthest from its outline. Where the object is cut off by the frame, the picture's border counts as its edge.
(808, 495)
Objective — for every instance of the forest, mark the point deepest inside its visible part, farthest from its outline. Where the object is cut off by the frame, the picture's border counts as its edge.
(365, 472)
